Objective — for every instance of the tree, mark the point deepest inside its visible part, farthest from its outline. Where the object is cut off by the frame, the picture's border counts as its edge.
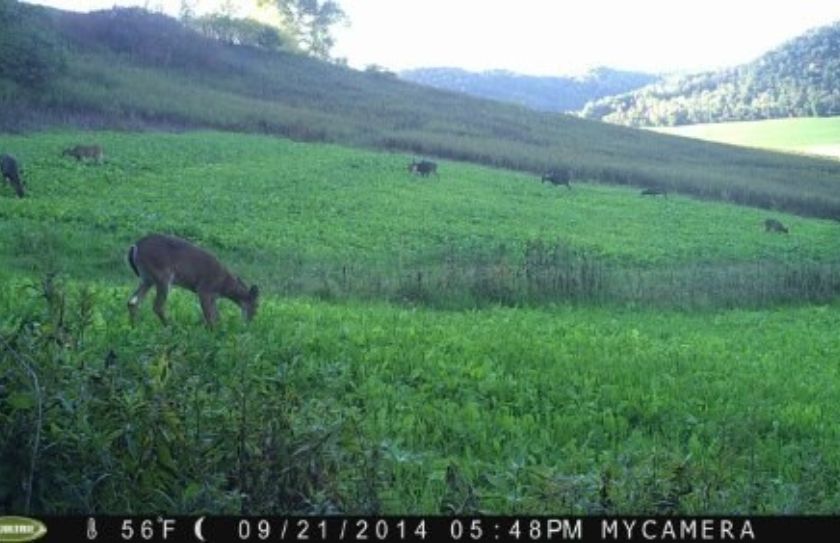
(310, 22)
(240, 31)
(186, 13)
(30, 55)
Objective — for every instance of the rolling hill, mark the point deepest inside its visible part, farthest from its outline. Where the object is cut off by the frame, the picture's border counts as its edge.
(799, 78)
(557, 94)
(126, 68)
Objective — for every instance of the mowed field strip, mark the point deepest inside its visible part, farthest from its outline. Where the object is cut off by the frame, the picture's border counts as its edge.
(813, 135)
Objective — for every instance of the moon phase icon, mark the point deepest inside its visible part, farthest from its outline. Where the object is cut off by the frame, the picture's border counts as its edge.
(197, 529)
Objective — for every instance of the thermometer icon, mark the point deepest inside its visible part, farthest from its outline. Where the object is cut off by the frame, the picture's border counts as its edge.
(91, 529)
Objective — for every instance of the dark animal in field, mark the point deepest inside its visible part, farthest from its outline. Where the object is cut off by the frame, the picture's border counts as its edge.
(424, 167)
(85, 151)
(11, 172)
(162, 261)
(772, 225)
(558, 177)
(654, 192)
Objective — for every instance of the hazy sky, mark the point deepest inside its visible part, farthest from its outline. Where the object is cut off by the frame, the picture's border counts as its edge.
(552, 37)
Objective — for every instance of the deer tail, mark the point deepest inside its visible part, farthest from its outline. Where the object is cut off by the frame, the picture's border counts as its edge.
(132, 252)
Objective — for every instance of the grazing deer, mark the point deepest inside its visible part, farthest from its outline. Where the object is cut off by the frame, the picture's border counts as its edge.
(10, 170)
(85, 151)
(164, 261)
(655, 192)
(424, 167)
(558, 177)
(772, 225)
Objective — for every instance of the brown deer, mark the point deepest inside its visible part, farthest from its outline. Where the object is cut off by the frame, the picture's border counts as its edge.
(424, 167)
(10, 170)
(164, 261)
(85, 151)
(772, 225)
(558, 177)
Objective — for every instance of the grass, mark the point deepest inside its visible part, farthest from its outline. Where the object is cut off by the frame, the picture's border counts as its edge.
(404, 410)
(815, 136)
(311, 218)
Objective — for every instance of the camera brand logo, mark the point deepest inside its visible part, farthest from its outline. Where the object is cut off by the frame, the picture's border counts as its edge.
(19, 529)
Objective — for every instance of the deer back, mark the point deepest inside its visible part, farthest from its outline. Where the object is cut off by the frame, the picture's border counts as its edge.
(171, 260)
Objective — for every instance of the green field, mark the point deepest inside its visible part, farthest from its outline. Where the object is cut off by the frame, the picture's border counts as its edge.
(812, 135)
(476, 342)
(325, 220)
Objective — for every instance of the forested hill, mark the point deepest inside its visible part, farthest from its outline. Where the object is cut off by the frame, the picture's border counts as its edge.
(559, 94)
(801, 78)
(130, 69)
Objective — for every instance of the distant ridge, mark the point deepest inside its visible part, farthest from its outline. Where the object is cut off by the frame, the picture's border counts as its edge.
(558, 94)
(801, 78)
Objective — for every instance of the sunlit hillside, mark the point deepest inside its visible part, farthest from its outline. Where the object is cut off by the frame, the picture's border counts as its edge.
(814, 136)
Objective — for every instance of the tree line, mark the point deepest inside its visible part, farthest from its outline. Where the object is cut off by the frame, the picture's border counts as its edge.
(799, 79)
(31, 54)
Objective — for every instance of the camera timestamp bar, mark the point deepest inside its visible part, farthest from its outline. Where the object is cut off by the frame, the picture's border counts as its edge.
(221, 529)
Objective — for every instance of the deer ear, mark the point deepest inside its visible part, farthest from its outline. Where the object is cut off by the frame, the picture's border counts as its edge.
(254, 291)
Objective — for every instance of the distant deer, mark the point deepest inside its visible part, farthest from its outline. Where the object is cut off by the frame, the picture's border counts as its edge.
(558, 177)
(9, 167)
(164, 261)
(655, 192)
(85, 151)
(772, 225)
(424, 167)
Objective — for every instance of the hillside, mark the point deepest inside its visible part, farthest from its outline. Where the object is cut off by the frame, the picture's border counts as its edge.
(557, 94)
(800, 78)
(128, 69)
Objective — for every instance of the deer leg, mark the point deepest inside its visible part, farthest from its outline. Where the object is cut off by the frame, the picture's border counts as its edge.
(136, 299)
(208, 307)
(162, 291)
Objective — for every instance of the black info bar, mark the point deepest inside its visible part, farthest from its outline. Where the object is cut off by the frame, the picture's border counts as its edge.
(412, 528)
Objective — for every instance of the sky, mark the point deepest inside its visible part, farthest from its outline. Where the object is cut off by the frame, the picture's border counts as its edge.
(549, 37)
